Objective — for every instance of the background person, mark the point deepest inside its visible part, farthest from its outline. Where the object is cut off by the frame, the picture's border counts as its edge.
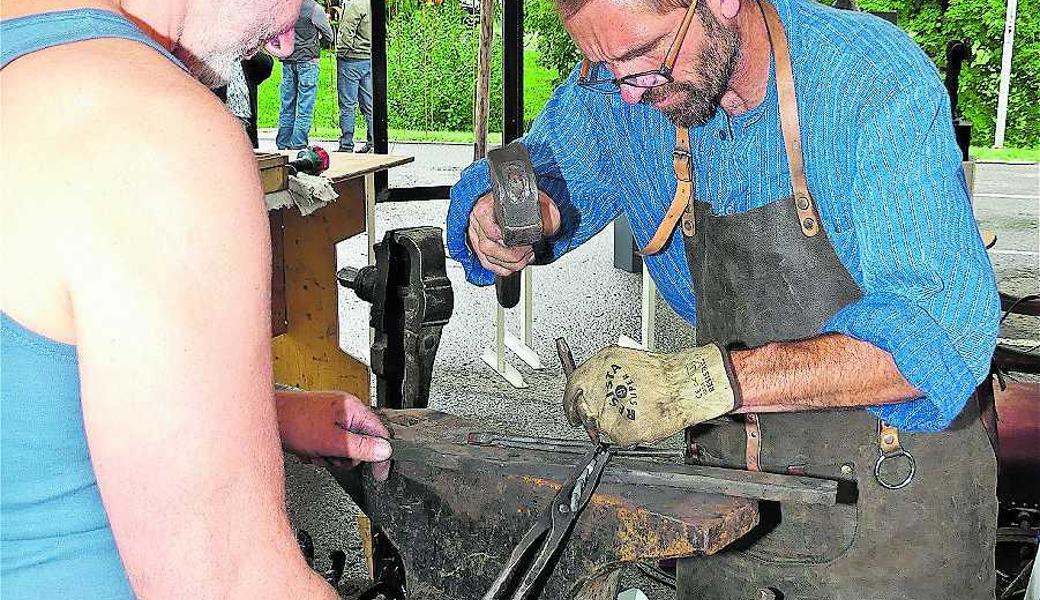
(139, 434)
(354, 73)
(300, 70)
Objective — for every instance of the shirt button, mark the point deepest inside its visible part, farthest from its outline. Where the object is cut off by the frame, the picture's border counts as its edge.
(722, 134)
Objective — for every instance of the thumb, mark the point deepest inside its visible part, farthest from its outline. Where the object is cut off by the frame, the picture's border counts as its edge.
(550, 214)
(366, 448)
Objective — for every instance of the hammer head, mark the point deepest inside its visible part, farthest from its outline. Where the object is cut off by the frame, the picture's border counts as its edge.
(515, 191)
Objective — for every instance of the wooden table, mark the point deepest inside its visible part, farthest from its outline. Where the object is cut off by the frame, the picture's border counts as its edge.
(305, 314)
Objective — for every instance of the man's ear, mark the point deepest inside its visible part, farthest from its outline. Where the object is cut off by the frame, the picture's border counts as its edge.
(729, 8)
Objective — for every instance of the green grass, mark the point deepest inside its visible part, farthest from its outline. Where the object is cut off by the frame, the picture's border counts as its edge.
(1011, 154)
(537, 89)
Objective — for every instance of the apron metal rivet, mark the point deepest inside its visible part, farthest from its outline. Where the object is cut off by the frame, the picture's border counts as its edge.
(803, 202)
(808, 223)
(846, 469)
(888, 439)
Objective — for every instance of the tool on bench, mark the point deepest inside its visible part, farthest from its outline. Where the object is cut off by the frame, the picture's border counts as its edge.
(535, 556)
(312, 160)
(515, 191)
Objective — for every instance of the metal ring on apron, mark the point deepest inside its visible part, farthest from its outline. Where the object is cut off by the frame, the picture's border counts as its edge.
(893, 455)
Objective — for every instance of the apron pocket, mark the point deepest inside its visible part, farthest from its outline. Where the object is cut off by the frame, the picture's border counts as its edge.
(804, 534)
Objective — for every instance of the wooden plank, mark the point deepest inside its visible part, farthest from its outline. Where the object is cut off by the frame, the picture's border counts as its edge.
(308, 355)
(345, 165)
(274, 176)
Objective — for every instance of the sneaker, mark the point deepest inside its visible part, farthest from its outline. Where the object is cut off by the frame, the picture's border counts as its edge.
(363, 148)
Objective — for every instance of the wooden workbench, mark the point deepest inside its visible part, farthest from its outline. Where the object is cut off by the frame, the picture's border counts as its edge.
(305, 313)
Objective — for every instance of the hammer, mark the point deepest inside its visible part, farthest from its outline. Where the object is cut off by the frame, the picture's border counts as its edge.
(515, 192)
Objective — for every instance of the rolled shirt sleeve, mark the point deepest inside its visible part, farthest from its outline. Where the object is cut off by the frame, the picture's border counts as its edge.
(930, 296)
(572, 168)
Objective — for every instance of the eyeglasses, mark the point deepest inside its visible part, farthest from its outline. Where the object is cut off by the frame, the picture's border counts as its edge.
(596, 77)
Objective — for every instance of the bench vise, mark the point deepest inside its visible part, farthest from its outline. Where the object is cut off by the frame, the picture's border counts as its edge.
(412, 300)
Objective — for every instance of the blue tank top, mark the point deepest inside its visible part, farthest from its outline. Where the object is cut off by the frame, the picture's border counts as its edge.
(55, 538)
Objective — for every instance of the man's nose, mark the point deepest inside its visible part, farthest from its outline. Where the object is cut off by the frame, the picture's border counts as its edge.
(632, 94)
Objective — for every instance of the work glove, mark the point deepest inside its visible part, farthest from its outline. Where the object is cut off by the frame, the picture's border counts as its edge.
(636, 397)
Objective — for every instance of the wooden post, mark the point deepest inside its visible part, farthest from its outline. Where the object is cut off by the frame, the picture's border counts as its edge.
(483, 95)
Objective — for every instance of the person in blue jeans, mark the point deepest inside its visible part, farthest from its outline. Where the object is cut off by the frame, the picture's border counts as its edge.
(354, 72)
(300, 77)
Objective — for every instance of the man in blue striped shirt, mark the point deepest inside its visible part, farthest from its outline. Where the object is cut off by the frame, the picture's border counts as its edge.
(877, 297)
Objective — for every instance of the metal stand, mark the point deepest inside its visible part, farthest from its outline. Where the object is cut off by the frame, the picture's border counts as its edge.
(649, 317)
(495, 357)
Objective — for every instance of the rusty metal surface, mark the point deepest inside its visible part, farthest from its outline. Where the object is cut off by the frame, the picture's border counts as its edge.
(454, 512)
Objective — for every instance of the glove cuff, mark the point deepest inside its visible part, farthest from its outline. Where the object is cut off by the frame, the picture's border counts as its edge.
(731, 375)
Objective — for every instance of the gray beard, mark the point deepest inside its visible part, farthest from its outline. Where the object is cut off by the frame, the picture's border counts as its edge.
(713, 69)
(213, 71)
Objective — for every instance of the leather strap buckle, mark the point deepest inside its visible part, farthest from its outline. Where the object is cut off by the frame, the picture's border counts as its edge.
(682, 163)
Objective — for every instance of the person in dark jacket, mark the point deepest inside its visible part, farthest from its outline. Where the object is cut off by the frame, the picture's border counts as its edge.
(300, 77)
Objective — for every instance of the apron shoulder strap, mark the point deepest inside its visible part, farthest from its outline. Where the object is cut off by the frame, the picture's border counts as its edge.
(789, 125)
(808, 218)
(683, 166)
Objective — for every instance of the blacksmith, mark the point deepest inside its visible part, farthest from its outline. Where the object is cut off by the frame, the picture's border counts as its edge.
(790, 170)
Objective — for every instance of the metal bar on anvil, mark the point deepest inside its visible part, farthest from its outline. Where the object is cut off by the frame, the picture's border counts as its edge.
(566, 446)
(694, 478)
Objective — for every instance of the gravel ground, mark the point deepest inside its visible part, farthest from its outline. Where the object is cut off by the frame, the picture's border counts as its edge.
(584, 299)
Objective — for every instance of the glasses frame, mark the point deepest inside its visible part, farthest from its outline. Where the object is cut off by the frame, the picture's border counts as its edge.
(665, 70)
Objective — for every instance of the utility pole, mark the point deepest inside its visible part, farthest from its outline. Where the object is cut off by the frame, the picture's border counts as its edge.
(1005, 73)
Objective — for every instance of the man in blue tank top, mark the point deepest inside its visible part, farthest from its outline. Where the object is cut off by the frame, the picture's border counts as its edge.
(140, 435)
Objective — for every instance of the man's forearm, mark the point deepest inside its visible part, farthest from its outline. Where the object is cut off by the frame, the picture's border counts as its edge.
(828, 371)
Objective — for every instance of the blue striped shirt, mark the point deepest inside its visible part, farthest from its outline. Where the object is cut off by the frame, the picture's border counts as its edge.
(882, 164)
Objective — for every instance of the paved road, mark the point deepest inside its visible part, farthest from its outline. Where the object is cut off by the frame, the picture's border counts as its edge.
(583, 298)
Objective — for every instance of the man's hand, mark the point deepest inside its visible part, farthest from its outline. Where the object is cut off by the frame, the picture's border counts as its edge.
(635, 397)
(485, 237)
(332, 428)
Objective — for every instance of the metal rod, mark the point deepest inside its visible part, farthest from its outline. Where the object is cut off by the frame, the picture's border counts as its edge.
(566, 358)
(512, 69)
(564, 446)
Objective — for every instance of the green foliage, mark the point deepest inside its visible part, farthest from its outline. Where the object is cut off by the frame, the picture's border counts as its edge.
(981, 22)
(556, 51)
(431, 69)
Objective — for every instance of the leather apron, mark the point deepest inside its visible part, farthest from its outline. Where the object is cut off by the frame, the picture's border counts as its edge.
(771, 275)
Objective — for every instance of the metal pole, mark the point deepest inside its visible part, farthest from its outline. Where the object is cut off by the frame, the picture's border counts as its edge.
(1005, 72)
(380, 120)
(513, 69)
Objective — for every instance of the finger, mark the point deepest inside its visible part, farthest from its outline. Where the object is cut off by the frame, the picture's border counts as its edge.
(502, 253)
(508, 263)
(474, 243)
(381, 470)
(570, 407)
(550, 214)
(484, 218)
(362, 419)
(366, 448)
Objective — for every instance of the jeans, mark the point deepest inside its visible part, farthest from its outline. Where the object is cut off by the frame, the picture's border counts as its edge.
(353, 83)
(299, 91)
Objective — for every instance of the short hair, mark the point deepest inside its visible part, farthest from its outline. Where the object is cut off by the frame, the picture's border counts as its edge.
(569, 8)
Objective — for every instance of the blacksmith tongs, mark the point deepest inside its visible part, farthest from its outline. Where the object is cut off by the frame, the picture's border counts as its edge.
(524, 575)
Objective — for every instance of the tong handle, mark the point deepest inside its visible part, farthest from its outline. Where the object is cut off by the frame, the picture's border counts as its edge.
(566, 358)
